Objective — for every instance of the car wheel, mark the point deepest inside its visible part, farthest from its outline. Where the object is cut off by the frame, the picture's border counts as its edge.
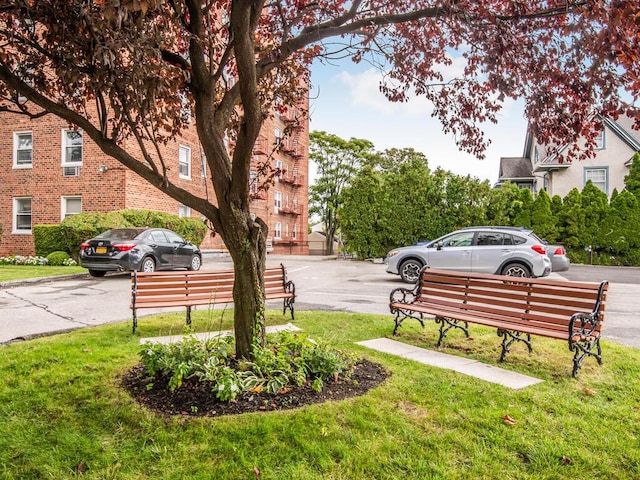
(148, 265)
(196, 263)
(410, 271)
(516, 270)
(97, 273)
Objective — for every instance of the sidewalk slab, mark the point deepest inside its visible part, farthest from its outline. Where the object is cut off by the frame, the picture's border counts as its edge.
(462, 365)
(207, 335)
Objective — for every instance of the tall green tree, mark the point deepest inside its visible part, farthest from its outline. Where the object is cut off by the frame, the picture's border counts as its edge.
(521, 209)
(620, 236)
(595, 208)
(542, 219)
(501, 203)
(361, 215)
(632, 180)
(337, 161)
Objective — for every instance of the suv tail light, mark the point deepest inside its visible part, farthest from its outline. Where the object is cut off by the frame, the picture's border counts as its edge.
(84, 246)
(539, 248)
(560, 251)
(124, 247)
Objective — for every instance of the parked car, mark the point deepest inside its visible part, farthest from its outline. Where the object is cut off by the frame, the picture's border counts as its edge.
(141, 249)
(510, 251)
(559, 260)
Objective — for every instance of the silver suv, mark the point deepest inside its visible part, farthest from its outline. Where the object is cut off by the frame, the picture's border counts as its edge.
(499, 250)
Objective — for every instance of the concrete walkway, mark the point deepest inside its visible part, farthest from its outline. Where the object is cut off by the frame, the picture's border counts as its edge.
(466, 366)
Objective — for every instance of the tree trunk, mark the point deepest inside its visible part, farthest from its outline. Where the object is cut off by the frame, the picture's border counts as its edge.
(249, 260)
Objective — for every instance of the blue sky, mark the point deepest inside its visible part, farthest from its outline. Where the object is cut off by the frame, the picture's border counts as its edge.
(345, 101)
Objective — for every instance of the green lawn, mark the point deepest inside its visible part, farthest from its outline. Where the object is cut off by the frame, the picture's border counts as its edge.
(10, 273)
(63, 413)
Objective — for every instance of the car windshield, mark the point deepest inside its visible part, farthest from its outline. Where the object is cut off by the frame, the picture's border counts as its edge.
(120, 234)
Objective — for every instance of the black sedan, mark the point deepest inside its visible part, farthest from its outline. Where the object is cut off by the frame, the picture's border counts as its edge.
(141, 249)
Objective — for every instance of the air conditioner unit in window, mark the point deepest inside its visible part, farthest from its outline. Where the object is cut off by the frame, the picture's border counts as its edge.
(71, 171)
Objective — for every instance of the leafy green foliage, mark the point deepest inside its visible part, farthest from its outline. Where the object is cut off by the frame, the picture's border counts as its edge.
(632, 180)
(336, 162)
(287, 359)
(57, 259)
(47, 239)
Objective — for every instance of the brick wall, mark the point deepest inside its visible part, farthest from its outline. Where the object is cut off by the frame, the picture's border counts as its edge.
(116, 188)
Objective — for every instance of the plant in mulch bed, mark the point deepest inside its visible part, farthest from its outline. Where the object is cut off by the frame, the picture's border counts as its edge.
(203, 377)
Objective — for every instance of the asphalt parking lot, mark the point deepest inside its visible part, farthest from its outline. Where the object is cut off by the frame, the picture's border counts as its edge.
(43, 307)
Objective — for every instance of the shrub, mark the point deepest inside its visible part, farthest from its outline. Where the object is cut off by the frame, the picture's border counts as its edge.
(48, 238)
(58, 258)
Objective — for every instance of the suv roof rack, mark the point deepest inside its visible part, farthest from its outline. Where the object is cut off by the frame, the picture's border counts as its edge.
(497, 227)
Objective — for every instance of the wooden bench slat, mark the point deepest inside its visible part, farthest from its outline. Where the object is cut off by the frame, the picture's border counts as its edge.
(203, 287)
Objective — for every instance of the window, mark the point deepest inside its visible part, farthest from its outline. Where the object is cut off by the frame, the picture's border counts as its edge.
(22, 215)
(184, 211)
(286, 230)
(277, 165)
(277, 200)
(253, 183)
(22, 150)
(71, 206)
(71, 147)
(598, 176)
(277, 133)
(599, 140)
(158, 236)
(463, 239)
(277, 230)
(489, 238)
(185, 162)
(203, 159)
(294, 235)
(174, 237)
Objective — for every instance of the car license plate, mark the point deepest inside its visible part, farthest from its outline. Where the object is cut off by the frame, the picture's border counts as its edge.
(101, 249)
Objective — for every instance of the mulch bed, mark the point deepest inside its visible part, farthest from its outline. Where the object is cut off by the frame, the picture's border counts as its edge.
(195, 398)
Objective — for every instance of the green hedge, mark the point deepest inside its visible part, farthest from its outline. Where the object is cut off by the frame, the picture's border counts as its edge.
(48, 238)
(75, 229)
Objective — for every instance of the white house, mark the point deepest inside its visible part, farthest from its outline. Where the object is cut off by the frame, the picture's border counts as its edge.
(539, 167)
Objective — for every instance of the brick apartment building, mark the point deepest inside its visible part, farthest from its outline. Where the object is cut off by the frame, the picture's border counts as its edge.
(48, 171)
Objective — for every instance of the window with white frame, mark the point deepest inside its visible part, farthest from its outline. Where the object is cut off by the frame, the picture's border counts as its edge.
(184, 162)
(71, 148)
(277, 200)
(277, 133)
(277, 166)
(184, 211)
(71, 206)
(286, 230)
(22, 150)
(253, 183)
(203, 159)
(599, 140)
(277, 230)
(22, 215)
(294, 234)
(599, 177)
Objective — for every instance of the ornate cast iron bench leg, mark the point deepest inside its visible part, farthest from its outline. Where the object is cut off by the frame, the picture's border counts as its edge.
(509, 338)
(447, 324)
(584, 337)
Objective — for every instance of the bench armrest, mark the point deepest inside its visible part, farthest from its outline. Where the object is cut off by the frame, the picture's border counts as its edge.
(583, 327)
(404, 295)
(290, 287)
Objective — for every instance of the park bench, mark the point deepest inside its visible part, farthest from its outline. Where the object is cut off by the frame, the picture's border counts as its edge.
(191, 288)
(517, 307)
